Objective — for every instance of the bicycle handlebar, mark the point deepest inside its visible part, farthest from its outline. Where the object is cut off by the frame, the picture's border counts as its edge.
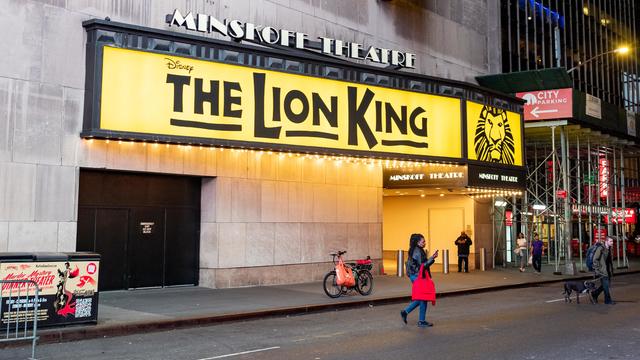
(339, 253)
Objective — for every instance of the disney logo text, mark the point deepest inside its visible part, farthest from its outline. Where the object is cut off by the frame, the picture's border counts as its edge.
(176, 64)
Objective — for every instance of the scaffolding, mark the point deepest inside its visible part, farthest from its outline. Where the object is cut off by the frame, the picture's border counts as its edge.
(575, 192)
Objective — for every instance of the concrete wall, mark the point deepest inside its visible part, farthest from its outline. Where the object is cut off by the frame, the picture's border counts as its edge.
(41, 100)
(278, 212)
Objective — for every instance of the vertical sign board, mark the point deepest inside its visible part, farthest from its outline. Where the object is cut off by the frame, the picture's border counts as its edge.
(603, 167)
(631, 123)
(594, 107)
(599, 233)
(68, 292)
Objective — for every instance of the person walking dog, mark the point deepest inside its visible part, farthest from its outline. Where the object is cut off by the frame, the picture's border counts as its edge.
(418, 265)
(603, 269)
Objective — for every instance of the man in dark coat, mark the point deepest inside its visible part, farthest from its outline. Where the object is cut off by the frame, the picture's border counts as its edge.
(463, 242)
(603, 269)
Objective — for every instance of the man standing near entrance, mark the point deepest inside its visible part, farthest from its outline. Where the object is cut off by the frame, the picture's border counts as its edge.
(463, 242)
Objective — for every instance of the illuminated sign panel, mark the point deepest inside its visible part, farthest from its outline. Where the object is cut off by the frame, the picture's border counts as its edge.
(603, 167)
(425, 176)
(494, 135)
(484, 176)
(627, 215)
(148, 93)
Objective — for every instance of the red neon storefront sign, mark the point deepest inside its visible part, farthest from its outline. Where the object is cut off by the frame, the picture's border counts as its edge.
(629, 216)
(508, 218)
(599, 234)
(603, 173)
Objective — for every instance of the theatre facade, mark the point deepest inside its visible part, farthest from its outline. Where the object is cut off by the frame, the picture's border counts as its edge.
(218, 152)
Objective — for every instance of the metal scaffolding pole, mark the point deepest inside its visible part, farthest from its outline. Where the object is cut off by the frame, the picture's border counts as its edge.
(554, 161)
(579, 183)
(615, 219)
(493, 233)
(625, 263)
(570, 266)
(589, 212)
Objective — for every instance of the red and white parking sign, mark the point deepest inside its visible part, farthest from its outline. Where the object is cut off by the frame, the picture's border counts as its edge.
(547, 104)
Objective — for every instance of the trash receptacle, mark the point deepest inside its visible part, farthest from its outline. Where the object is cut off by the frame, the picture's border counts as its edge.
(68, 284)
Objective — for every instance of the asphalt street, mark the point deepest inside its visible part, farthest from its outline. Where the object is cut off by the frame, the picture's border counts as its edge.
(526, 323)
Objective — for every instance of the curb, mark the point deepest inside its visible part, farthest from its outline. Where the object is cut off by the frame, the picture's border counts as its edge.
(84, 332)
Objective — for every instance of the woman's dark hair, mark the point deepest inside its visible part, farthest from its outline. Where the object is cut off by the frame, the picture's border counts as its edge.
(413, 242)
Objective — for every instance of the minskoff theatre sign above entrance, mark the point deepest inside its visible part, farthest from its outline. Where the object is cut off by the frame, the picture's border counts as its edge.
(238, 30)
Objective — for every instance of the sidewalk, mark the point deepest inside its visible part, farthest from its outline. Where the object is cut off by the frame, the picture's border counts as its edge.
(134, 311)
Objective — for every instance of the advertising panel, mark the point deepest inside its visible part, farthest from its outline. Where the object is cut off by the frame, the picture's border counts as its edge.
(494, 135)
(160, 94)
(68, 292)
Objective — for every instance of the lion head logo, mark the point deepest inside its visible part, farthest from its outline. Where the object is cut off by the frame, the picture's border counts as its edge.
(494, 140)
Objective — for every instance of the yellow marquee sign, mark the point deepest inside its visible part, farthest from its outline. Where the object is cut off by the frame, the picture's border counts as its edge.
(168, 95)
(494, 135)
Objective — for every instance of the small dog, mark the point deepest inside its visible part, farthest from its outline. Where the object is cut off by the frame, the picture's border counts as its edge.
(579, 287)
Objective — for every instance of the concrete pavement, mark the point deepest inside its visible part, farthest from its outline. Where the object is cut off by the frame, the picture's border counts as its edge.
(133, 311)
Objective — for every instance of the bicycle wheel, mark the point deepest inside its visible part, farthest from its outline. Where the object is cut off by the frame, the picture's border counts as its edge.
(364, 285)
(332, 289)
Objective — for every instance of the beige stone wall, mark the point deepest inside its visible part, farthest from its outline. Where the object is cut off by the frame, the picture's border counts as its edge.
(272, 219)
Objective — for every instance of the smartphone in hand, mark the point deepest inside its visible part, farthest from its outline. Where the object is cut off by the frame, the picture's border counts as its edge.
(435, 254)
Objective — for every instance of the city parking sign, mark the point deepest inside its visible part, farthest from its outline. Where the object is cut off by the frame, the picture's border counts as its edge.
(547, 104)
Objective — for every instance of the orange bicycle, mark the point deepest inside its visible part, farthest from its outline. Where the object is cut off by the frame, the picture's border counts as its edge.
(337, 282)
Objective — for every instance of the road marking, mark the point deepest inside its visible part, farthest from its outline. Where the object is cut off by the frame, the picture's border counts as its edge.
(550, 301)
(241, 353)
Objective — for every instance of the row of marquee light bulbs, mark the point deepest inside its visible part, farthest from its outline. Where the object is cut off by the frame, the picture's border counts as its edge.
(385, 162)
(477, 193)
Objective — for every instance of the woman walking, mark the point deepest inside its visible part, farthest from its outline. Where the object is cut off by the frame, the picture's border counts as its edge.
(418, 258)
(521, 251)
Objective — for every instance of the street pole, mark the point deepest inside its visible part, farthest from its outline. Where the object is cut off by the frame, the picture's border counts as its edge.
(625, 261)
(570, 266)
(579, 200)
(554, 160)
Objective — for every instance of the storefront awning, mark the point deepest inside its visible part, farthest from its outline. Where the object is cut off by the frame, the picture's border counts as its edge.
(511, 83)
